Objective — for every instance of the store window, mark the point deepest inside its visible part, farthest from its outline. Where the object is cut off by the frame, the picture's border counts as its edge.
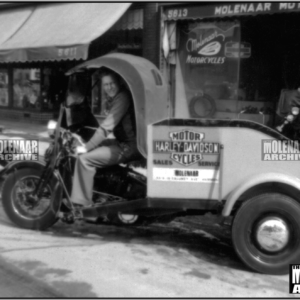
(275, 61)
(27, 88)
(4, 101)
(209, 65)
(273, 66)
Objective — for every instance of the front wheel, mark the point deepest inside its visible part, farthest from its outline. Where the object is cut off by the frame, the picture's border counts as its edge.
(22, 207)
(266, 233)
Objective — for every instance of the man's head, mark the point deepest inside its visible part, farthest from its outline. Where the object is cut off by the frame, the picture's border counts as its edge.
(110, 83)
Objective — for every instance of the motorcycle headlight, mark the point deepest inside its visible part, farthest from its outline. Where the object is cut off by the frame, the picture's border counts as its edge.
(51, 128)
(295, 111)
(290, 118)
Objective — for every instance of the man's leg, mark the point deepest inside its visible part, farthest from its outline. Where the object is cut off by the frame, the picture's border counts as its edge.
(85, 170)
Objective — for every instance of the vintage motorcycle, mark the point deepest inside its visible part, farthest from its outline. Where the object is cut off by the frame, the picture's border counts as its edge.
(289, 125)
(34, 187)
(194, 166)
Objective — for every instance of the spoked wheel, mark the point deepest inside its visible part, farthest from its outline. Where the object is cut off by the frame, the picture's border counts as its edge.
(23, 207)
(266, 233)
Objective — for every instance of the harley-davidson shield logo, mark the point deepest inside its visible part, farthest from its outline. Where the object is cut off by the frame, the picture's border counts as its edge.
(186, 147)
(186, 159)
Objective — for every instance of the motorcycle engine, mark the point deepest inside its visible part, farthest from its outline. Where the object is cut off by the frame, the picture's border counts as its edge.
(120, 182)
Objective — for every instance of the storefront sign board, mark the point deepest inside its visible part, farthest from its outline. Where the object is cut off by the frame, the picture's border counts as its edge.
(230, 9)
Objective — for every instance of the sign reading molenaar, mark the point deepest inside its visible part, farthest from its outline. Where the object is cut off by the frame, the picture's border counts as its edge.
(280, 150)
(14, 149)
(232, 9)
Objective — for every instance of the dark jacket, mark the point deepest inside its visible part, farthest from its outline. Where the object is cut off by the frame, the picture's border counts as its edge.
(120, 120)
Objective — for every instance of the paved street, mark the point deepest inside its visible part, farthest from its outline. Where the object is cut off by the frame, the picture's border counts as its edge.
(190, 259)
(17, 283)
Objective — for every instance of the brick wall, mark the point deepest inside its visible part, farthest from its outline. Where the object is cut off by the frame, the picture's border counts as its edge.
(151, 33)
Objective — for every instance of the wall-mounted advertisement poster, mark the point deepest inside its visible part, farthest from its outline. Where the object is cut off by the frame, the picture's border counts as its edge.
(206, 66)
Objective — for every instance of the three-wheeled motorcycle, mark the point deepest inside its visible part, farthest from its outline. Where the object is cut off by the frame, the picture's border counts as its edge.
(235, 168)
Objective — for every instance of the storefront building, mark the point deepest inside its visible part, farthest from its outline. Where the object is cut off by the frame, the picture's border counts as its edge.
(40, 42)
(238, 56)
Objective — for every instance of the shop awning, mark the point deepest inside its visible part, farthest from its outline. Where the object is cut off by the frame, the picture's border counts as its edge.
(132, 19)
(219, 9)
(57, 31)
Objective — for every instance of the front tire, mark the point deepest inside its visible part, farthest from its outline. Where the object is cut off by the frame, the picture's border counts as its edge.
(16, 193)
(266, 233)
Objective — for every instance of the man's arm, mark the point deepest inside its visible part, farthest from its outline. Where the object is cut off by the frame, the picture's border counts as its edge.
(119, 108)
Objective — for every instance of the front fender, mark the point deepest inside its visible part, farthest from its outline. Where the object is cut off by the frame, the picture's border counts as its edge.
(21, 164)
(254, 181)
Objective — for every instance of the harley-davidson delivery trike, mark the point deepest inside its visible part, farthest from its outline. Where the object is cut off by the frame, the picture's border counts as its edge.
(235, 168)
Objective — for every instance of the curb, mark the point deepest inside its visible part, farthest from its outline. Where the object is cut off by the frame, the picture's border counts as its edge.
(28, 282)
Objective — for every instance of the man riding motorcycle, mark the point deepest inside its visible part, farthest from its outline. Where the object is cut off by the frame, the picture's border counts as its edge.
(99, 151)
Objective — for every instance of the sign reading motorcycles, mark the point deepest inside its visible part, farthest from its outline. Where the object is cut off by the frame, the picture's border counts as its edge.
(186, 147)
(205, 43)
(16, 150)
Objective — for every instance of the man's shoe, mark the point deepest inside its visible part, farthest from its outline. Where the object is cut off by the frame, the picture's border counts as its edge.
(77, 212)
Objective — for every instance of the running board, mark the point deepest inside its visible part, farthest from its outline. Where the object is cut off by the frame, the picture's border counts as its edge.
(104, 209)
(153, 204)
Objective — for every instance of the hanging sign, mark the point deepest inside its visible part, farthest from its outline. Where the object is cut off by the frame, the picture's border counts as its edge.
(205, 43)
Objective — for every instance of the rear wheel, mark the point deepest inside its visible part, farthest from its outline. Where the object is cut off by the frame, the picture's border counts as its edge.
(22, 207)
(125, 219)
(266, 233)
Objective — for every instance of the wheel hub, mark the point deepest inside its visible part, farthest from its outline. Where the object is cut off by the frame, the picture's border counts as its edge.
(272, 234)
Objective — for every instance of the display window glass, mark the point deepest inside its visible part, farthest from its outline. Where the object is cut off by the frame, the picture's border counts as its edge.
(4, 100)
(208, 66)
(26, 88)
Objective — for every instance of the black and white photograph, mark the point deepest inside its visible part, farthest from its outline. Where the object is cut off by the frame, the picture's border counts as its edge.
(149, 150)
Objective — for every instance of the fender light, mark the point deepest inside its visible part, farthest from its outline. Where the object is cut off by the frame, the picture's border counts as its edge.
(51, 128)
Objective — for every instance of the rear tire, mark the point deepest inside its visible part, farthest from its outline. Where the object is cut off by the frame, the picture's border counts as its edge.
(266, 233)
(18, 209)
(125, 219)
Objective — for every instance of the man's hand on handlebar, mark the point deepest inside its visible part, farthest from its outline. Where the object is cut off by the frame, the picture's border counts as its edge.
(80, 145)
(79, 141)
(81, 149)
